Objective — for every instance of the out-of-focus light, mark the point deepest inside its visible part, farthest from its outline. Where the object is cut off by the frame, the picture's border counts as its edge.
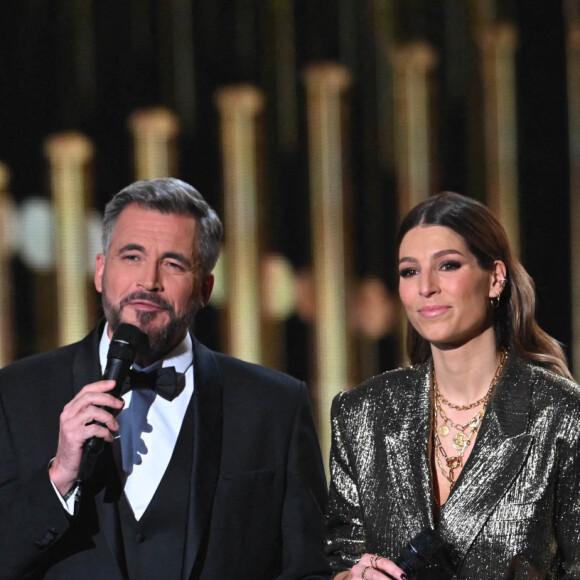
(35, 234)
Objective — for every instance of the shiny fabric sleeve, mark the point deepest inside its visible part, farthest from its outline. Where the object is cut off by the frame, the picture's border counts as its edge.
(345, 531)
(567, 510)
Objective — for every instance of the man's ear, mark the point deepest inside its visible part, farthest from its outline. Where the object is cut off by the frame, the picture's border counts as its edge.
(99, 271)
(206, 288)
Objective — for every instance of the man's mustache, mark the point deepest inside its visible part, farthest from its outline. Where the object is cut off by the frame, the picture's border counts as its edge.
(149, 297)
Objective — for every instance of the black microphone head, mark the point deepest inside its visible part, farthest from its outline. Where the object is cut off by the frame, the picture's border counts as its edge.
(419, 552)
(127, 340)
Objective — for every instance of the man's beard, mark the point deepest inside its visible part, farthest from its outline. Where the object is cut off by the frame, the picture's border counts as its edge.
(161, 340)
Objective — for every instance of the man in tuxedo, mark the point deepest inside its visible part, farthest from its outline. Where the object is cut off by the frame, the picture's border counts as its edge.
(220, 479)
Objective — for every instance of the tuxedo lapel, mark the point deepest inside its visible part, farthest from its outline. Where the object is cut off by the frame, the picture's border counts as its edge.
(499, 453)
(208, 417)
(407, 453)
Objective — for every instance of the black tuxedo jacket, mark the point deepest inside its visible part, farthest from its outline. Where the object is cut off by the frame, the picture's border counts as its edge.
(258, 486)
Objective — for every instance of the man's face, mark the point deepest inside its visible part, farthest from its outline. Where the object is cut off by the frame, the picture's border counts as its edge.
(152, 276)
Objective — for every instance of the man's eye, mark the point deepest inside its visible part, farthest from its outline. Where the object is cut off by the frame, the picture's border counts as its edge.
(174, 266)
(130, 257)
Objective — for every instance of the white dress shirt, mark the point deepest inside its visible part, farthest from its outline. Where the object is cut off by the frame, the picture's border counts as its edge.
(148, 427)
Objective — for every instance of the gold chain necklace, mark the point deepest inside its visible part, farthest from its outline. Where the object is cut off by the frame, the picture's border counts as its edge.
(452, 463)
(444, 401)
(461, 440)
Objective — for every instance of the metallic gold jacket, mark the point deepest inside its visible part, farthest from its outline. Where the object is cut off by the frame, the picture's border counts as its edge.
(515, 509)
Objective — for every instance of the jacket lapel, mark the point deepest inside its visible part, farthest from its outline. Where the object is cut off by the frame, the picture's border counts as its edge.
(407, 451)
(208, 417)
(498, 456)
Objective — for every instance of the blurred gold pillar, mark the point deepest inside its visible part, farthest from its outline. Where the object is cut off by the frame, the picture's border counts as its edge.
(69, 155)
(497, 41)
(573, 46)
(238, 107)
(325, 87)
(412, 64)
(6, 286)
(154, 132)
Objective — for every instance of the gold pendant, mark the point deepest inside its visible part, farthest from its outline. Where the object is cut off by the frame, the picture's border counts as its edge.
(443, 430)
(460, 441)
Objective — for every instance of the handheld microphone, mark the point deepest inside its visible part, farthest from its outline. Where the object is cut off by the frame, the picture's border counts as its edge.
(125, 343)
(419, 552)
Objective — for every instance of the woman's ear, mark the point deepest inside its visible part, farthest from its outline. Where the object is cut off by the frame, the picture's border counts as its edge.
(498, 279)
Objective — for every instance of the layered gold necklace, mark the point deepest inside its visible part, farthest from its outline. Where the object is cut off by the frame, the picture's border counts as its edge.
(463, 432)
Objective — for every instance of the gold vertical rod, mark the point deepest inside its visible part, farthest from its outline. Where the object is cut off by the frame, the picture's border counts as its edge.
(68, 155)
(238, 107)
(482, 12)
(573, 49)
(325, 86)
(281, 35)
(497, 45)
(383, 27)
(6, 245)
(412, 64)
(154, 132)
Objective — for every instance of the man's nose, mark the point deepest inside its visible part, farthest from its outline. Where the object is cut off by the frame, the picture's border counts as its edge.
(150, 278)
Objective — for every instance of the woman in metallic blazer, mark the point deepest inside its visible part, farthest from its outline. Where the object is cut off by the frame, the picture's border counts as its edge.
(478, 442)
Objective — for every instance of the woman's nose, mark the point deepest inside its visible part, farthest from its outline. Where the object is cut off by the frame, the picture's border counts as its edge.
(427, 284)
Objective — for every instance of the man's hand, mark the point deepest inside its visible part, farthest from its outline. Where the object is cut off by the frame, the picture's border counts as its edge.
(77, 426)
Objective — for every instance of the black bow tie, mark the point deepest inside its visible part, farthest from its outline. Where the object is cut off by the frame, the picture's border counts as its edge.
(165, 381)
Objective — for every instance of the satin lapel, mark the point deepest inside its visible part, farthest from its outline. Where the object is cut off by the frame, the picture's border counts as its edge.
(208, 417)
(407, 453)
(103, 491)
(499, 453)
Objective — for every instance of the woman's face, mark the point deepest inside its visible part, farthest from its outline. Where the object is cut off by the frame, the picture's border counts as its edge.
(444, 290)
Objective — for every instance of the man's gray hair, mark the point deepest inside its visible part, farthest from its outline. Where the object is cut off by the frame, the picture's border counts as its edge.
(169, 196)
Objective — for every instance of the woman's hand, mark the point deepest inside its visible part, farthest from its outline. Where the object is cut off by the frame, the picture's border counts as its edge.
(373, 567)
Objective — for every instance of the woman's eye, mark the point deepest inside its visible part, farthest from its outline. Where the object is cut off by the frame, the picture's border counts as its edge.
(407, 272)
(450, 265)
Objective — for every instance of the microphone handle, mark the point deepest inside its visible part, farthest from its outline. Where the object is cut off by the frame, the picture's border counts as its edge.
(419, 552)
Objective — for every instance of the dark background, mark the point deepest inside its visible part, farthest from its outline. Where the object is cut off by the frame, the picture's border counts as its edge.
(86, 66)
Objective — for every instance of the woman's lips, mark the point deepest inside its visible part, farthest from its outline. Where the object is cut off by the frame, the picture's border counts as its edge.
(433, 311)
